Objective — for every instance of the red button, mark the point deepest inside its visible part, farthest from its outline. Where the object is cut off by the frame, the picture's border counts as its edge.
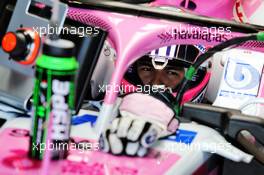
(9, 42)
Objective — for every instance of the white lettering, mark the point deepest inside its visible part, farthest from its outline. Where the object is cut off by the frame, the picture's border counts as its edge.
(60, 110)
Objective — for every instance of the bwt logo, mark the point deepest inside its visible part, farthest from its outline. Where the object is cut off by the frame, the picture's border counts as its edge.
(241, 75)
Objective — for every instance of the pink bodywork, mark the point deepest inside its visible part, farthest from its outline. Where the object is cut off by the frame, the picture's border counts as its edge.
(216, 8)
(250, 6)
(14, 160)
(133, 37)
(244, 9)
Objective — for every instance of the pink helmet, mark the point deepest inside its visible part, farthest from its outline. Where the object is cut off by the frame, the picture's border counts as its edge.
(249, 11)
(180, 56)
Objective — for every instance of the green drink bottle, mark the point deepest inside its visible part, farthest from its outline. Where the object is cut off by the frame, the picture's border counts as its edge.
(53, 96)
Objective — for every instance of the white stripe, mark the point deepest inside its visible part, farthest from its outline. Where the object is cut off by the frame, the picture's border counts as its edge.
(153, 53)
(162, 52)
(172, 51)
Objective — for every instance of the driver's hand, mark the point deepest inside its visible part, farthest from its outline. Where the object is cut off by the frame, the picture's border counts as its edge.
(134, 132)
(130, 136)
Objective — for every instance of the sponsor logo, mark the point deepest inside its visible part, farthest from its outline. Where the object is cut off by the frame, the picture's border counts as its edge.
(60, 110)
(240, 75)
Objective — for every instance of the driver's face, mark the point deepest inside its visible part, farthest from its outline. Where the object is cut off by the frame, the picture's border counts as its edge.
(170, 76)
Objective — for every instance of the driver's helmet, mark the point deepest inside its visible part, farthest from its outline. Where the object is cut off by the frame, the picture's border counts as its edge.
(165, 68)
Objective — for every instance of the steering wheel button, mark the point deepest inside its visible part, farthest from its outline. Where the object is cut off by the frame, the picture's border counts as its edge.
(9, 42)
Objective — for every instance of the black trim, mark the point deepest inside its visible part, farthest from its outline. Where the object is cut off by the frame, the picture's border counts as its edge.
(59, 51)
(6, 11)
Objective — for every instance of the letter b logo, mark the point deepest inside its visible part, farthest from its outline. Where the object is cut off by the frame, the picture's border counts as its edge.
(241, 75)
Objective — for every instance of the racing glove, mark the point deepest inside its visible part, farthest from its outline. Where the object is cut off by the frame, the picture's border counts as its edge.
(143, 120)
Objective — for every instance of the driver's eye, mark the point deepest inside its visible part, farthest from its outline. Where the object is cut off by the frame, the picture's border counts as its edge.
(173, 72)
(145, 68)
